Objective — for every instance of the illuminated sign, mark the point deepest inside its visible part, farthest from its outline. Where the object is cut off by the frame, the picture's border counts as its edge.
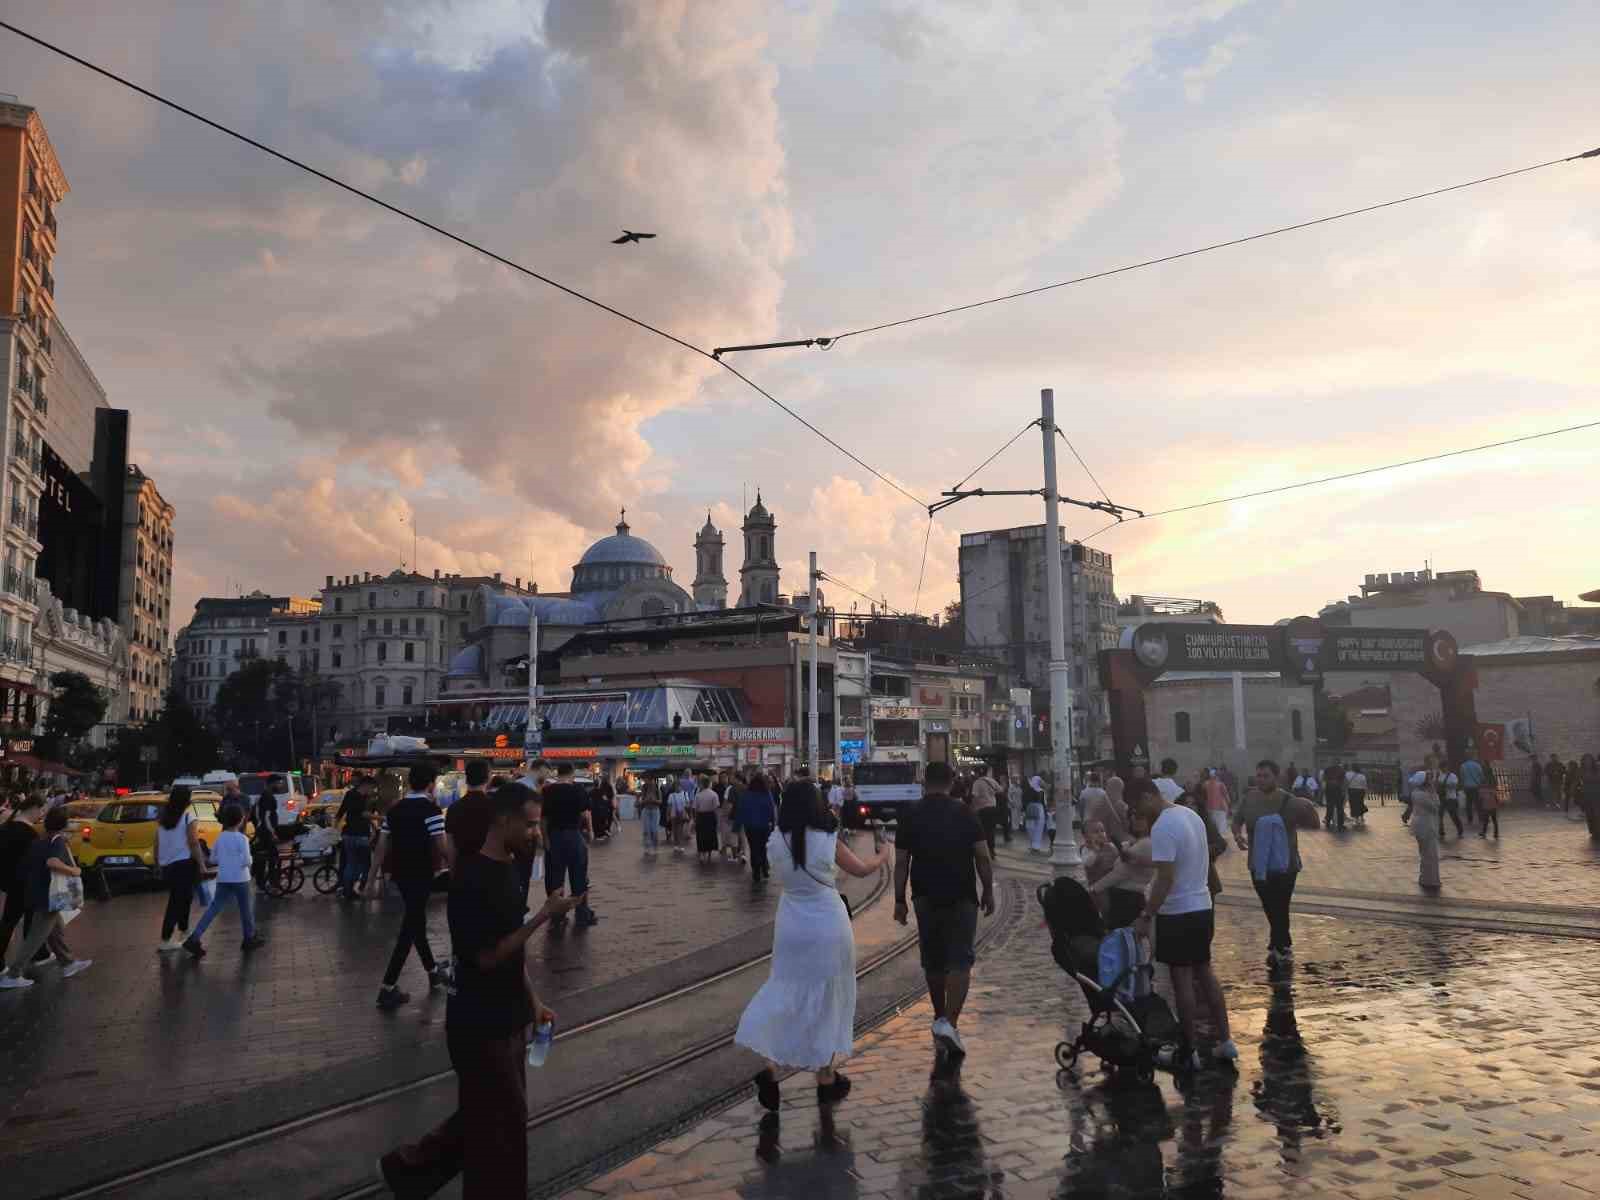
(589, 753)
(747, 734)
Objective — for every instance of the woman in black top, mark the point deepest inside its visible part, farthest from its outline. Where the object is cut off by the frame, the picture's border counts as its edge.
(487, 1020)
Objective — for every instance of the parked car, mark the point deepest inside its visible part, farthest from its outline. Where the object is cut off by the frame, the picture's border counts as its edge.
(121, 835)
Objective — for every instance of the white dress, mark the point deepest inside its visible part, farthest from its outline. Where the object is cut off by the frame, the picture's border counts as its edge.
(804, 1015)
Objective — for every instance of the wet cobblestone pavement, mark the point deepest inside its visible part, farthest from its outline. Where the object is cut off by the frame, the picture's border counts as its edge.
(1391, 1061)
(293, 1026)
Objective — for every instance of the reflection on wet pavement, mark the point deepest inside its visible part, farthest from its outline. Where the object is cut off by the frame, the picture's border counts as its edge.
(1390, 1060)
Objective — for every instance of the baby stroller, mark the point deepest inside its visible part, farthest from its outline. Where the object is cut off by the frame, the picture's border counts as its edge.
(1129, 1025)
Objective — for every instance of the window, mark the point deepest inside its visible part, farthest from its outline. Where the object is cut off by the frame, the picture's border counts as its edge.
(405, 695)
(462, 630)
(338, 604)
(378, 696)
(305, 636)
(420, 604)
(372, 624)
(768, 592)
(316, 660)
(338, 632)
(1296, 728)
(338, 659)
(463, 603)
(411, 655)
(761, 548)
(372, 599)
(388, 624)
(383, 651)
(1180, 726)
(405, 624)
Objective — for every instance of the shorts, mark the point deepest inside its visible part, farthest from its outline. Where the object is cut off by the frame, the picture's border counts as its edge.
(945, 935)
(1184, 939)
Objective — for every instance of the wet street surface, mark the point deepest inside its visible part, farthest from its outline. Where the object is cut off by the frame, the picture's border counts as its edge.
(1389, 1061)
(1398, 1056)
(236, 1042)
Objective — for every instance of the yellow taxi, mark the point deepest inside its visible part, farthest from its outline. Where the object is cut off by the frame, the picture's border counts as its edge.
(121, 836)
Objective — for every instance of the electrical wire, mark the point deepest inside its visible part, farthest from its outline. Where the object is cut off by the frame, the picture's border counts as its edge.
(1103, 495)
(917, 603)
(883, 600)
(443, 232)
(1306, 483)
(1238, 241)
(995, 455)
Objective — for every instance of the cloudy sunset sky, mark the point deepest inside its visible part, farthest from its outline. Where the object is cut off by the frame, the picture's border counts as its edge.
(309, 375)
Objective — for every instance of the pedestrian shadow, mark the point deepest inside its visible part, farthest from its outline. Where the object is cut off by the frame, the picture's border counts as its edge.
(1285, 1094)
(953, 1161)
(825, 1168)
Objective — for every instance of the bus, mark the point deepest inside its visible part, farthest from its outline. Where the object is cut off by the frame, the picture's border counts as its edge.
(882, 790)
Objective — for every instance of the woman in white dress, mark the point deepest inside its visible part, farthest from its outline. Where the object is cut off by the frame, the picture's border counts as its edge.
(1425, 814)
(804, 1015)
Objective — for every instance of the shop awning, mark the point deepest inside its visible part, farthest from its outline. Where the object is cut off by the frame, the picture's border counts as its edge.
(40, 766)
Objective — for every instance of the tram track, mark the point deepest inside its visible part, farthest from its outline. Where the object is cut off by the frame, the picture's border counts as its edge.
(279, 1130)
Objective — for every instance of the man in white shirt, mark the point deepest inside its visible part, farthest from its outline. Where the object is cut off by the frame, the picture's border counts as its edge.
(1166, 783)
(985, 797)
(1184, 919)
(836, 796)
(1355, 782)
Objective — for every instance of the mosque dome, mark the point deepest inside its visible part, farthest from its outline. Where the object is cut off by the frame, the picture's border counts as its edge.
(615, 561)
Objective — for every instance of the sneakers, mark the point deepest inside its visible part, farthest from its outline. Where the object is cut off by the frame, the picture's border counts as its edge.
(586, 918)
(1226, 1051)
(9, 981)
(391, 998)
(76, 967)
(252, 943)
(1279, 958)
(947, 1038)
(172, 943)
(195, 949)
(439, 977)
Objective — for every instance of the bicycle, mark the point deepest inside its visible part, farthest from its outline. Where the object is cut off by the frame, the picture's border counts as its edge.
(282, 875)
(326, 877)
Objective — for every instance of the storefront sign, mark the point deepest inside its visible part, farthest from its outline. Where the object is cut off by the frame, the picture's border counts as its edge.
(936, 727)
(892, 710)
(851, 750)
(933, 697)
(589, 753)
(776, 735)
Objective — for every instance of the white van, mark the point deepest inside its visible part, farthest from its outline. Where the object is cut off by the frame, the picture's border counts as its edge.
(294, 792)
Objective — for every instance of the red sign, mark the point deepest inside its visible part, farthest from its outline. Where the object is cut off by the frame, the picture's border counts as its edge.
(931, 697)
(579, 752)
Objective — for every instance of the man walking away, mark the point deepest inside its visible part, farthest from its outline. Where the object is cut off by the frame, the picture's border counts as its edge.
(356, 838)
(1472, 785)
(566, 814)
(1218, 801)
(943, 851)
(1449, 801)
(1093, 796)
(411, 843)
(467, 821)
(985, 805)
(756, 814)
(1274, 881)
(16, 835)
(485, 1140)
(1333, 780)
(1355, 786)
(1167, 783)
(1180, 906)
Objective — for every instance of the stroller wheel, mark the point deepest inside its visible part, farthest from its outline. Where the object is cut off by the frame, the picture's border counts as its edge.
(1064, 1080)
(1066, 1055)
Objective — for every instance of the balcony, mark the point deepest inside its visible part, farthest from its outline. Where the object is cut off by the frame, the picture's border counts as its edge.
(36, 461)
(50, 221)
(49, 282)
(8, 649)
(19, 515)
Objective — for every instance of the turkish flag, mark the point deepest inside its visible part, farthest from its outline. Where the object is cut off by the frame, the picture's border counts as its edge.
(1492, 742)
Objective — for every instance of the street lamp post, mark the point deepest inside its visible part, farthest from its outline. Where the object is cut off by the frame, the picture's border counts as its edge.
(1066, 860)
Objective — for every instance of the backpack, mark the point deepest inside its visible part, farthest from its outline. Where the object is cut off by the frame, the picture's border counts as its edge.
(1269, 845)
(1119, 966)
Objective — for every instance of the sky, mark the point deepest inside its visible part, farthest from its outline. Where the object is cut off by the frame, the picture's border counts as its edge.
(315, 382)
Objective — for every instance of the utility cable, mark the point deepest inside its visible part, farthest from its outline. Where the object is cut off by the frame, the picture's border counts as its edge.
(883, 600)
(1083, 464)
(1166, 258)
(1410, 462)
(996, 454)
(443, 232)
(917, 603)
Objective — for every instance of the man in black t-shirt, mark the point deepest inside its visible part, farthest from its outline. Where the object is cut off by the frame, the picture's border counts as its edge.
(466, 822)
(356, 837)
(943, 851)
(411, 843)
(16, 835)
(487, 1019)
(569, 824)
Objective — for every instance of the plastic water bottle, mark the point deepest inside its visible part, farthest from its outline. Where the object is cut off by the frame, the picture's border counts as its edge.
(539, 1047)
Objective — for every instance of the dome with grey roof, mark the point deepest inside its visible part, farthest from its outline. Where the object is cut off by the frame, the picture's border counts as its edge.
(618, 560)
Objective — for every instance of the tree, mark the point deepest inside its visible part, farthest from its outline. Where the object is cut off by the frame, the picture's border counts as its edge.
(76, 707)
(183, 744)
(249, 706)
(1334, 725)
(952, 613)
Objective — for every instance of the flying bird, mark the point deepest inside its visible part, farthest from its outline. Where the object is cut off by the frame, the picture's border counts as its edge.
(629, 235)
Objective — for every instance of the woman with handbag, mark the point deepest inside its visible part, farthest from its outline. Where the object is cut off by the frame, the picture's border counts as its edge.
(54, 896)
(804, 1015)
(182, 861)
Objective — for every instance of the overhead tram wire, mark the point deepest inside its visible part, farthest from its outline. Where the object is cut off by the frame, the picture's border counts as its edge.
(1103, 493)
(833, 340)
(443, 232)
(1364, 471)
(1030, 425)
(922, 570)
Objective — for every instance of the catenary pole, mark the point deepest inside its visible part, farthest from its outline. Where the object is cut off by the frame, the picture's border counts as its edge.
(813, 755)
(1066, 859)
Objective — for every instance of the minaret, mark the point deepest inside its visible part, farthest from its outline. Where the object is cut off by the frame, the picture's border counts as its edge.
(758, 578)
(710, 588)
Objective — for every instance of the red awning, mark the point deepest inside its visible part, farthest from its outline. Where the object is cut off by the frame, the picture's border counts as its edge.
(40, 766)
